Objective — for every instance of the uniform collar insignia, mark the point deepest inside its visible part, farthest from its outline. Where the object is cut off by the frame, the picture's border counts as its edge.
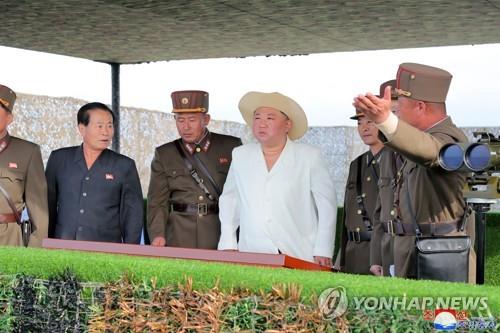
(197, 147)
(373, 159)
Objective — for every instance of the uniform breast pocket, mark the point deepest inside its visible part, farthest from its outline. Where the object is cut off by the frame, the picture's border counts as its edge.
(13, 176)
(13, 182)
(177, 178)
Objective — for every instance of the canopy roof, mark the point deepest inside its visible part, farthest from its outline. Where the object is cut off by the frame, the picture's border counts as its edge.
(132, 31)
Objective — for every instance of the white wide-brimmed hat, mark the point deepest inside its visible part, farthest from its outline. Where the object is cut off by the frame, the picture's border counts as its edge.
(253, 100)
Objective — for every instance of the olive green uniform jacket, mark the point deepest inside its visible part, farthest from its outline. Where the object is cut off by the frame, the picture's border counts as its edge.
(355, 254)
(23, 177)
(436, 195)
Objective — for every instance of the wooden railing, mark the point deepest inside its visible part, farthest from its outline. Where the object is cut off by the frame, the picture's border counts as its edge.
(236, 257)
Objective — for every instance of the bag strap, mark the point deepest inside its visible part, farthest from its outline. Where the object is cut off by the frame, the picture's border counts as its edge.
(397, 183)
(418, 233)
(11, 205)
(359, 196)
(394, 164)
(463, 221)
(205, 172)
(194, 174)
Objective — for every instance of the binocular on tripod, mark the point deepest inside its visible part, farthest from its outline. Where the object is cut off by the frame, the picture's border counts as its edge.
(480, 156)
(480, 160)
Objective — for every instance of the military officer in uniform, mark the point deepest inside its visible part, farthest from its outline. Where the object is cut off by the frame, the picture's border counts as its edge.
(381, 254)
(423, 191)
(22, 178)
(187, 177)
(359, 200)
(94, 193)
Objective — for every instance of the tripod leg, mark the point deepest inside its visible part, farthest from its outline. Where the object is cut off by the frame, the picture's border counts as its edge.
(481, 210)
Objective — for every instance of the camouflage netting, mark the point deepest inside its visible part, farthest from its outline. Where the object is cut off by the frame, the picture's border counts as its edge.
(54, 305)
(63, 304)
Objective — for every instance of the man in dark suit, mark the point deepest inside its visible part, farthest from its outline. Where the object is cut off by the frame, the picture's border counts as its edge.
(94, 194)
(22, 178)
(182, 203)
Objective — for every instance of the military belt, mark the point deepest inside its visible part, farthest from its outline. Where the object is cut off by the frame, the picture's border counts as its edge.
(7, 218)
(200, 209)
(394, 227)
(359, 236)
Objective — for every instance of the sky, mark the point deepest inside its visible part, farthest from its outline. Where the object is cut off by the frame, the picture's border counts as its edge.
(323, 84)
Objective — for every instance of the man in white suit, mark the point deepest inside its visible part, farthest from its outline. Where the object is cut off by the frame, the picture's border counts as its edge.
(278, 192)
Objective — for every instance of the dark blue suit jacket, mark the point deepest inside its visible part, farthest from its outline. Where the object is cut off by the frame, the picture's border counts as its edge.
(102, 204)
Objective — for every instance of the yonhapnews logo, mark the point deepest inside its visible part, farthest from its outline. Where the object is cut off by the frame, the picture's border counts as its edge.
(445, 319)
(453, 319)
(333, 302)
